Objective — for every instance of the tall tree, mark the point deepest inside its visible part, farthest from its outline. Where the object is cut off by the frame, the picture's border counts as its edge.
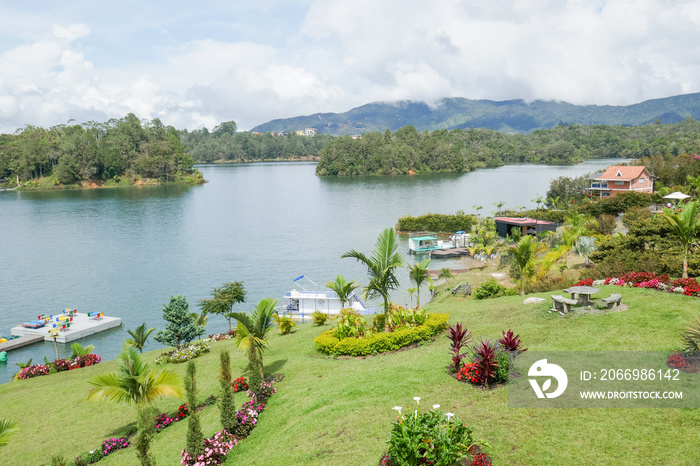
(686, 226)
(136, 383)
(195, 438)
(251, 335)
(226, 405)
(223, 299)
(381, 266)
(343, 288)
(418, 273)
(180, 327)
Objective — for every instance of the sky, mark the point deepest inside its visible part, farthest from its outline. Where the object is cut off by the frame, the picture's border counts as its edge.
(197, 64)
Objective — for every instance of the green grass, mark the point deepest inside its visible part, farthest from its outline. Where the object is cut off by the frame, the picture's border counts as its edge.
(338, 410)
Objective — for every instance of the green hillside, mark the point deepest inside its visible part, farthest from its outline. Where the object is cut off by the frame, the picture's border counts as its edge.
(508, 116)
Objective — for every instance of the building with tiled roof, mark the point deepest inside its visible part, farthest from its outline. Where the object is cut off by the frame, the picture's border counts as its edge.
(618, 178)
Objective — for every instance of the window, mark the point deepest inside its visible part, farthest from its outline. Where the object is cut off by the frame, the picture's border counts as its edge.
(641, 180)
(606, 194)
(619, 183)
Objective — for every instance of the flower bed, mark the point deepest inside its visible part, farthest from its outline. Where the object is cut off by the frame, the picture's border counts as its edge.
(183, 354)
(686, 286)
(381, 342)
(59, 365)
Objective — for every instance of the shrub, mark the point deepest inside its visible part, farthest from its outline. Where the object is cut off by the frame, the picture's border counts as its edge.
(87, 360)
(350, 324)
(503, 369)
(400, 317)
(677, 361)
(239, 385)
(182, 412)
(114, 444)
(183, 354)
(215, 450)
(428, 438)
(61, 365)
(378, 323)
(285, 323)
(691, 334)
(490, 289)
(486, 359)
(319, 318)
(380, 342)
(459, 337)
(162, 421)
(683, 282)
(606, 224)
(33, 371)
(511, 343)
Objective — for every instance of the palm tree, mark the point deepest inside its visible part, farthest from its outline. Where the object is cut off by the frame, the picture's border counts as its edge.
(686, 226)
(136, 383)
(8, 428)
(419, 273)
(139, 337)
(381, 266)
(524, 255)
(80, 350)
(584, 246)
(343, 288)
(252, 332)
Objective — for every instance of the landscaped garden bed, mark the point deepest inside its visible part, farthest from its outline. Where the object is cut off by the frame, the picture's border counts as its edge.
(351, 337)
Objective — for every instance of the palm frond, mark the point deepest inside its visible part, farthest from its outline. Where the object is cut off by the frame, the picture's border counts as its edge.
(8, 428)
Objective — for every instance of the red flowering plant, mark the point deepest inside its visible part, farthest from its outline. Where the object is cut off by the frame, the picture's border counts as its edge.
(87, 360)
(677, 361)
(239, 384)
(471, 373)
(61, 365)
(684, 282)
(182, 412)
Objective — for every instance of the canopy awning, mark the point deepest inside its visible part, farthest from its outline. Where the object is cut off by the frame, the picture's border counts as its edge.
(677, 195)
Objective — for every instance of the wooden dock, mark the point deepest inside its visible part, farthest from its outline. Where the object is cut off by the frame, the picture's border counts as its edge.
(443, 253)
(20, 342)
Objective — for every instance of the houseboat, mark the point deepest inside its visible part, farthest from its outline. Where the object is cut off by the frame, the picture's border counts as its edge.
(426, 242)
(307, 297)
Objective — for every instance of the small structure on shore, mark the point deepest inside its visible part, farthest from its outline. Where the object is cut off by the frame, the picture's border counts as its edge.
(527, 226)
(68, 326)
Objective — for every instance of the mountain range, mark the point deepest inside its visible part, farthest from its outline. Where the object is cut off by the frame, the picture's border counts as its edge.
(507, 116)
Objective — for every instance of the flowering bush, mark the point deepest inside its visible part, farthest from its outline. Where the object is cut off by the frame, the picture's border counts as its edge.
(184, 354)
(683, 282)
(162, 421)
(246, 418)
(182, 412)
(239, 385)
(586, 282)
(428, 438)
(220, 336)
(265, 392)
(114, 444)
(470, 372)
(33, 371)
(692, 290)
(215, 450)
(87, 360)
(61, 365)
(677, 361)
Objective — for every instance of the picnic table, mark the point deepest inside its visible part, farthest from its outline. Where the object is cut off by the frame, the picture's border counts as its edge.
(582, 294)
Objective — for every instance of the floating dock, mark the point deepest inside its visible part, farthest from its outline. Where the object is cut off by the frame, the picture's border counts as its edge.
(444, 253)
(81, 326)
(20, 342)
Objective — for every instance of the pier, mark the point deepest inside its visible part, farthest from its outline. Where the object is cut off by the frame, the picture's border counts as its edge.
(81, 326)
(20, 342)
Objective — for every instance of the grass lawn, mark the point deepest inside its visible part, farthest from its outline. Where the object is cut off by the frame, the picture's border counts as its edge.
(338, 410)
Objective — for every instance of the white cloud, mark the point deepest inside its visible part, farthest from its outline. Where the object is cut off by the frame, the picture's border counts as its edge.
(342, 54)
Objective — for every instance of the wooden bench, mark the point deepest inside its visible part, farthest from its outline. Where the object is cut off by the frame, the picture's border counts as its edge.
(562, 304)
(465, 289)
(612, 300)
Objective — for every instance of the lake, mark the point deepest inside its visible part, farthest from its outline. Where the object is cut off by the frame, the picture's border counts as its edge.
(125, 251)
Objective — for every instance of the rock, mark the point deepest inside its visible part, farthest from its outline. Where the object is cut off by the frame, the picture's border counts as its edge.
(533, 300)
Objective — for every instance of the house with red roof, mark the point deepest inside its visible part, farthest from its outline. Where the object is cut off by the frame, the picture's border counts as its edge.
(618, 178)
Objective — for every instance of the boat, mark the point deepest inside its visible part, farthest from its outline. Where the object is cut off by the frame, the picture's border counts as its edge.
(426, 242)
(307, 297)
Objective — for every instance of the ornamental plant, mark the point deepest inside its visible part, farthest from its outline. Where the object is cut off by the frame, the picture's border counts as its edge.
(511, 343)
(182, 412)
(350, 324)
(486, 359)
(459, 337)
(677, 361)
(215, 450)
(428, 438)
(114, 444)
(239, 384)
(162, 421)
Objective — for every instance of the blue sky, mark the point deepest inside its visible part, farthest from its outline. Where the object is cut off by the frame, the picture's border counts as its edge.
(195, 64)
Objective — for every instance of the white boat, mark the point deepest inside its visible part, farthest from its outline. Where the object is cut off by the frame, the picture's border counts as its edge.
(426, 242)
(307, 298)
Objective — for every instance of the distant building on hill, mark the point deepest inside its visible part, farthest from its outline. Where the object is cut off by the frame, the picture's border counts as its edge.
(618, 178)
(310, 132)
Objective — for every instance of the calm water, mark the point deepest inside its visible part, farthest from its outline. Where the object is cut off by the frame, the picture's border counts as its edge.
(126, 251)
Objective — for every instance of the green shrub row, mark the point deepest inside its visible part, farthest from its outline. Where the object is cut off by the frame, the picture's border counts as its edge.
(438, 223)
(381, 342)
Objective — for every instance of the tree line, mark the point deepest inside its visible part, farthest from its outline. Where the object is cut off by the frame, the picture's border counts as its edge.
(462, 150)
(224, 144)
(94, 151)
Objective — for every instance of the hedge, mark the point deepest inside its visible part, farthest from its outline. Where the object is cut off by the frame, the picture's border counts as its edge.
(381, 342)
(438, 223)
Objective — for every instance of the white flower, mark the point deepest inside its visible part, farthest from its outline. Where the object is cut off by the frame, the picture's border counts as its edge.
(449, 415)
(397, 408)
(436, 406)
(416, 399)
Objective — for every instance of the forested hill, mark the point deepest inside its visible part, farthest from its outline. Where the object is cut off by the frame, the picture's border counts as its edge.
(506, 116)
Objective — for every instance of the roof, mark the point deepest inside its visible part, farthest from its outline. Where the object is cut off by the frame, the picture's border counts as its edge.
(422, 238)
(523, 221)
(625, 173)
(676, 195)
